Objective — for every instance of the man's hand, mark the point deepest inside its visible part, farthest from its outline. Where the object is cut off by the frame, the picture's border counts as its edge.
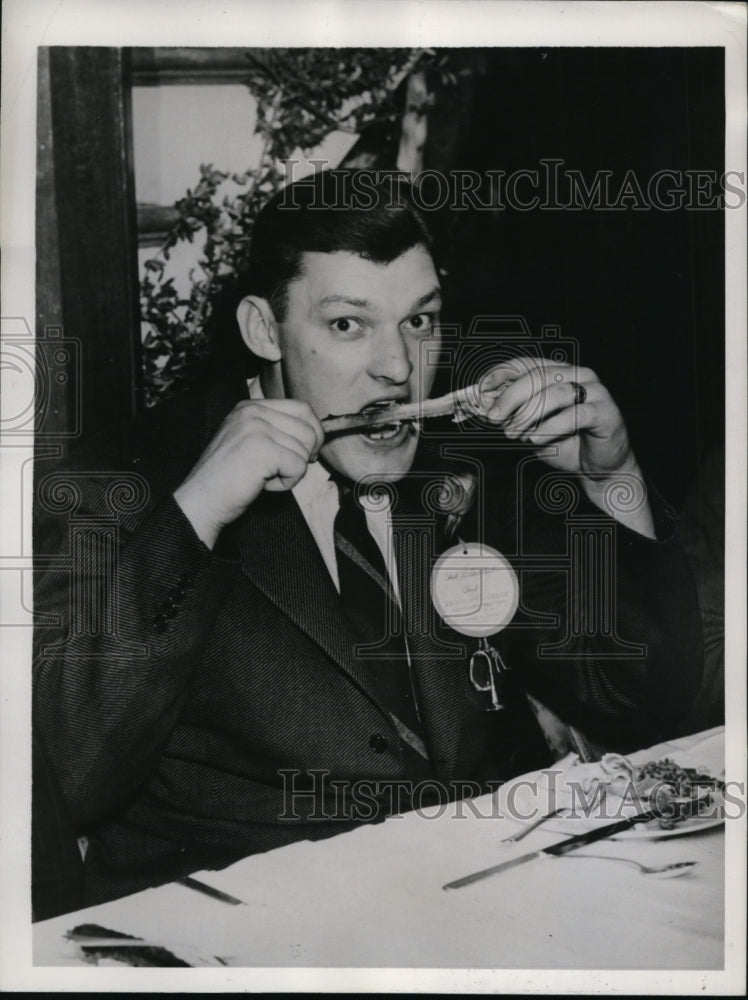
(534, 401)
(261, 445)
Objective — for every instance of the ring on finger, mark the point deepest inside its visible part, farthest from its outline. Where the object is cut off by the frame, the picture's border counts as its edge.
(580, 393)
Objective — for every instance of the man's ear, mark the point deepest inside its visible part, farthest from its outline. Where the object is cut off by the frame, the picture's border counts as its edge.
(258, 327)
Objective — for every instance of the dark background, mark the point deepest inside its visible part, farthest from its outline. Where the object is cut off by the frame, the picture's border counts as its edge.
(642, 291)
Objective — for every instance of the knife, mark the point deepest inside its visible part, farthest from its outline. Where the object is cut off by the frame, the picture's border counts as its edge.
(208, 890)
(556, 850)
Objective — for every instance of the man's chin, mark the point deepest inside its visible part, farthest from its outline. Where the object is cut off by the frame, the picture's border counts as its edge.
(361, 456)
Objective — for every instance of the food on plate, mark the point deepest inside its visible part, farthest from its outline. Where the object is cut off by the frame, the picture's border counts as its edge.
(685, 780)
(674, 793)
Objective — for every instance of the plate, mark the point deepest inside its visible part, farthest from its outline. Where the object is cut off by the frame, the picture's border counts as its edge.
(714, 816)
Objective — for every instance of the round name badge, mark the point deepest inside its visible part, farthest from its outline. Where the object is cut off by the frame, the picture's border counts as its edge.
(474, 589)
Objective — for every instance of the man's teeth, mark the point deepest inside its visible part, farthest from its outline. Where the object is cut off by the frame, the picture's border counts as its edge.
(384, 432)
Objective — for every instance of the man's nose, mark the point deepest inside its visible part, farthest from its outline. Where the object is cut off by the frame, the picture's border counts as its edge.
(391, 360)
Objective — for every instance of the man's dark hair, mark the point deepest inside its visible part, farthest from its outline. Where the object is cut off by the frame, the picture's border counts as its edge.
(331, 211)
(362, 212)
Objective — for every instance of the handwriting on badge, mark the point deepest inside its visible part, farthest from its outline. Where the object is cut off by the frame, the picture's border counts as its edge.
(474, 589)
(470, 589)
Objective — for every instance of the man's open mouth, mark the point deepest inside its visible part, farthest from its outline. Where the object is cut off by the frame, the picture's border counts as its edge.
(381, 431)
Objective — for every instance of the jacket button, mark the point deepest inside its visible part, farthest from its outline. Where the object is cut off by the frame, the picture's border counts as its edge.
(377, 743)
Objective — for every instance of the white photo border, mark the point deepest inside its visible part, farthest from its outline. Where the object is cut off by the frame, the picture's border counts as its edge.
(370, 23)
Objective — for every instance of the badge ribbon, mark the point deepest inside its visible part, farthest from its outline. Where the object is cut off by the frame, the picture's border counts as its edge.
(476, 592)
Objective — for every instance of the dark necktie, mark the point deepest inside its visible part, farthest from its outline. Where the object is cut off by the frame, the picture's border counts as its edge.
(371, 605)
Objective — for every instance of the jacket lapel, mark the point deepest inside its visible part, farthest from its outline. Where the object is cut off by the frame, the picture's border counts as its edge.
(279, 555)
(439, 656)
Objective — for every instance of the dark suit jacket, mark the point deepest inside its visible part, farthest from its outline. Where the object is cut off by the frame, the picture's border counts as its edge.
(184, 687)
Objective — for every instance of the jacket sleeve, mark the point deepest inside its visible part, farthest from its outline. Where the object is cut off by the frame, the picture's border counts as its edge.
(611, 640)
(122, 614)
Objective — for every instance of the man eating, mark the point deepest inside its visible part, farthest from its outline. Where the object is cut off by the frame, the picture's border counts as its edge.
(265, 643)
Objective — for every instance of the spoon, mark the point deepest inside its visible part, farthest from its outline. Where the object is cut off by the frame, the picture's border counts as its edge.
(672, 870)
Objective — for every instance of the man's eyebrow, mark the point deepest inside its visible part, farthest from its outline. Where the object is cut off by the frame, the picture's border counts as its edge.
(347, 299)
(435, 295)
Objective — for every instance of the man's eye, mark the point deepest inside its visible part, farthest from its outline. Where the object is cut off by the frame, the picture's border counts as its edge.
(421, 322)
(346, 325)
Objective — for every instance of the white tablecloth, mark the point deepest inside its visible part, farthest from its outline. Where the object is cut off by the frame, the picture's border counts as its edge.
(374, 898)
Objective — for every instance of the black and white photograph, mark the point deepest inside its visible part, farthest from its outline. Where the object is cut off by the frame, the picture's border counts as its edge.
(373, 497)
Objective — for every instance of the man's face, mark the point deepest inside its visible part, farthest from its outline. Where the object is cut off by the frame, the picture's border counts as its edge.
(354, 335)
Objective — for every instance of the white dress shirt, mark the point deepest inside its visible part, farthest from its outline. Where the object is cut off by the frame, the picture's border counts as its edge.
(317, 496)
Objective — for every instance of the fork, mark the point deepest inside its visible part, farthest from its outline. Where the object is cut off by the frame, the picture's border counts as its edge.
(520, 834)
(672, 870)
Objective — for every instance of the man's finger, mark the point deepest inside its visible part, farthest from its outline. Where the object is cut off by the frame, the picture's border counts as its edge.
(533, 385)
(288, 469)
(303, 430)
(564, 424)
(515, 368)
(519, 392)
(555, 397)
(295, 410)
(302, 410)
